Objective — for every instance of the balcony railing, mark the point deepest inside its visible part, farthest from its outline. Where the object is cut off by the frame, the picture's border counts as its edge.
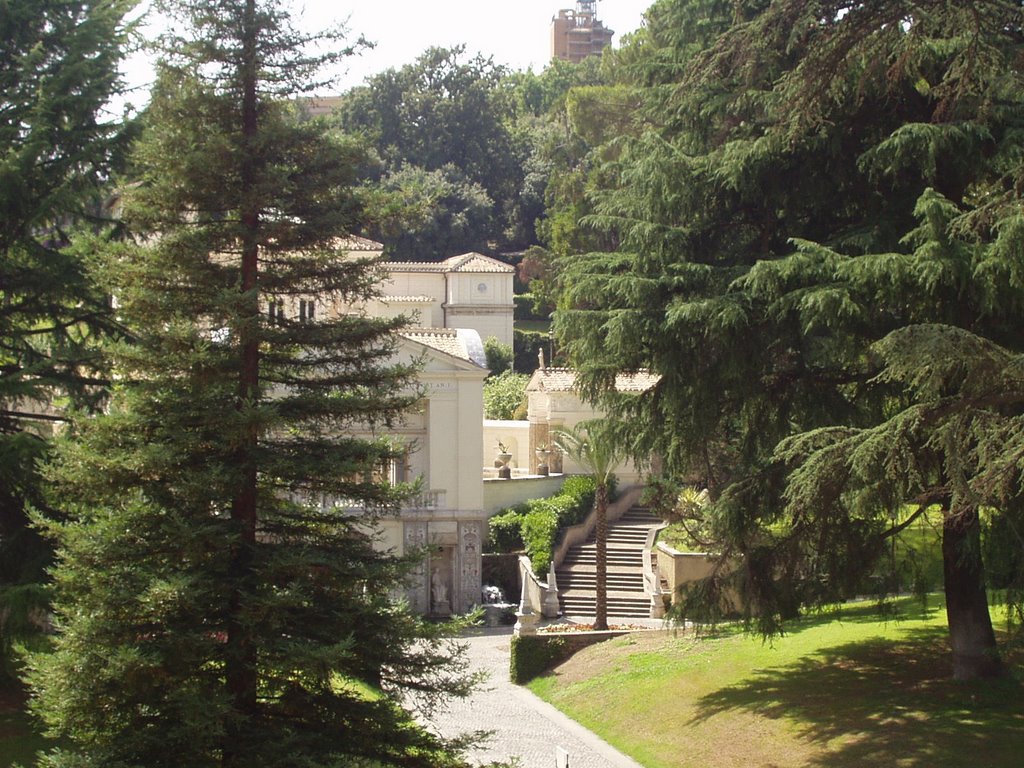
(429, 499)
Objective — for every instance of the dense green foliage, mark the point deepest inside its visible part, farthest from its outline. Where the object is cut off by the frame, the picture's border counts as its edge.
(58, 69)
(429, 215)
(218, 602)
(442, 113)
(505, 395)
(535, 525)
(815, 218)
(492, 143)
(528, 345)
(498, 355)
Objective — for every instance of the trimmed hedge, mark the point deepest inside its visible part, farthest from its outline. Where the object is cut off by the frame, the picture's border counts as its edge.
(504, 530)
(540, 526)
(535, 525)
(526, 344)
(525, 307)
(532, 656)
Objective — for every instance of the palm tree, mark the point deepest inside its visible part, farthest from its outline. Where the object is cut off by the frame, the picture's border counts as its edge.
(593, 446)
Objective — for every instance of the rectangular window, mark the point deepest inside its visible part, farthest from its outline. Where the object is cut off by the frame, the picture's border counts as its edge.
(275, 311)
(306, 310)
(398, 471)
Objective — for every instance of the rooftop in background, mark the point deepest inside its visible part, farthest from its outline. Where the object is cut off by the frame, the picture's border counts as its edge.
(564, 380)
(467, 262)
(460, 343)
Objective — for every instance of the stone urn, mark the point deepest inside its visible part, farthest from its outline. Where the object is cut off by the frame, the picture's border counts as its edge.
(501, 462)
(542, 460)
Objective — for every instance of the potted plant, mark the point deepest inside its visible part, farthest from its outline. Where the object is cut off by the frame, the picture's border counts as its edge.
(502, 460)
(503, 455)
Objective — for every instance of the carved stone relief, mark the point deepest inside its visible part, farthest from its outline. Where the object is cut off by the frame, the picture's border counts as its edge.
(469, 556)
(419, 592)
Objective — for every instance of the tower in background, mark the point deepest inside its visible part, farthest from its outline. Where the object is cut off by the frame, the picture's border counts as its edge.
(576, 34)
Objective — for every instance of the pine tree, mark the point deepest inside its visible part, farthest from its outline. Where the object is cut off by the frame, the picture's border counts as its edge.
(817, 177)
(58, 70)
(218, 602)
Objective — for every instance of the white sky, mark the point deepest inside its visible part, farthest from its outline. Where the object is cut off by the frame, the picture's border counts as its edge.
(515, 32)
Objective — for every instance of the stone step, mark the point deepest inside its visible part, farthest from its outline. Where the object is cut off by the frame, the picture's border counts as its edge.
(577, 577)
(585, 605)
(612, 548)
(590, 584)
(619, 561)
(613, 568)
(589, 553)
(640, 609)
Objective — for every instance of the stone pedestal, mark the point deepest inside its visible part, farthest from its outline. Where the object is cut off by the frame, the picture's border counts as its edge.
(526, 623)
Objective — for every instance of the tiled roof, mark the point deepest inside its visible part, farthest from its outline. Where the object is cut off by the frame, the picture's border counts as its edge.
(467, 262)
(564, 380)
(476, 262)
(354, 243)
(414, 266)
(407, 299)
(442, 339)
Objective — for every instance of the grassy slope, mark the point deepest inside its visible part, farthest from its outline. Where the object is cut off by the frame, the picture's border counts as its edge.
(853, 692)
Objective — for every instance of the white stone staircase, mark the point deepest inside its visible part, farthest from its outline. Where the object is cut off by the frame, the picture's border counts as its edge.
(626, 596)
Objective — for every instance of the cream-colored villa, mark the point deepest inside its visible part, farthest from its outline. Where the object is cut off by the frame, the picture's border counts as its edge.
(453, 306)
(451, 449)
(471, 291)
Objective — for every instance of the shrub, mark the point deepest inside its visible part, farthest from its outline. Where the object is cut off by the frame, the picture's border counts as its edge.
(498, 355)
(504, 395)
(536, 525)
(504, 530)
(532, 656)
(539, 529)
(526, 345)
(582, 489)
(525, 307)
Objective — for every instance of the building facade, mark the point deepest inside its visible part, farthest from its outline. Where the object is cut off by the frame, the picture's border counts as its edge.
(578, 33)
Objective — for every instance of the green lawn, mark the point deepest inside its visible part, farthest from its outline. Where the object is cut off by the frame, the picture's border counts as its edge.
(858, 691)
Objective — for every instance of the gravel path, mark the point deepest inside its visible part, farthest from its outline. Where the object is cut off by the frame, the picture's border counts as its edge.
(523, 726)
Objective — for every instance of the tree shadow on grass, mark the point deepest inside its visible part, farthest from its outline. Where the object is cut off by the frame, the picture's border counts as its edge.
(883, 702)
(895, 610)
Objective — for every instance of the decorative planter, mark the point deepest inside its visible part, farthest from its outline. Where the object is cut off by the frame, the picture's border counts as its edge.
(542, 461)
(502, 460)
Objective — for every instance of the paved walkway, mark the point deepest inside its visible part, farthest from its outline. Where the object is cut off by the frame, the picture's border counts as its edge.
(524, 726)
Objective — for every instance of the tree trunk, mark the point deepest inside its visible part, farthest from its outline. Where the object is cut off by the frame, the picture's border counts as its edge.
(972, 639)
(601, 567)
(241, 661)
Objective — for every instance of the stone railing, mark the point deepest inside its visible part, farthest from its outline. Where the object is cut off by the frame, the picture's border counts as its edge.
(652, 575)
(577, 534)
(431, 499)
(682, 568)
(538, 599)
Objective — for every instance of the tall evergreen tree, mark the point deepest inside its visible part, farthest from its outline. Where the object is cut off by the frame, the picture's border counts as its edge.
(58, 70)
(218, 602)
(820, 184)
